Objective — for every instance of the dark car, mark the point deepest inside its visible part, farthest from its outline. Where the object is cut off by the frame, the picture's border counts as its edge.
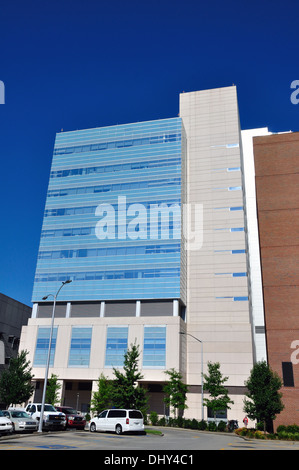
(73, 419)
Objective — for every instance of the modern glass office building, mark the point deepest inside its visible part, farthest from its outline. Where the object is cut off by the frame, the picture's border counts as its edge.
(115, 225)
(110, 220)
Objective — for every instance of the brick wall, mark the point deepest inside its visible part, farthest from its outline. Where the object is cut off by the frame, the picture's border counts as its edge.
(277, 188)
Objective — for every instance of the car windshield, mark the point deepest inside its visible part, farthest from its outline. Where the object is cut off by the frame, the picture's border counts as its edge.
(1, 414)
(19, 414)
(47, 408)
(69, 411)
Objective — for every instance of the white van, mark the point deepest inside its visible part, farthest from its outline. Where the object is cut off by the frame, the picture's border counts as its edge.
(118, 421)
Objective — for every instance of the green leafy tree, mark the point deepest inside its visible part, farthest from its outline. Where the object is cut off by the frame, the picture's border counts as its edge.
(264, 402)
(102, 398)
(219, 399)
(126, 392)
(175, 391)
(52, 392)
(16, 382)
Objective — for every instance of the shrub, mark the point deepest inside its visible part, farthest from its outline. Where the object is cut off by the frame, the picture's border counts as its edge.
(221, 426)
(188, 424)
(259, 435)
(162, 421)
(292, 429)
(202, 425)
(290, 432)
(153, 418)
(241, 431)
(281, 428)
(212, 426)
(180, 421)
(260, 426)
(194, 424)
(289, 436)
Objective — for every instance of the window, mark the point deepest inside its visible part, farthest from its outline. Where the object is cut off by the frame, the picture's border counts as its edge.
(236, 168)
(154, 351)
(117, 414)
(135, 414)
(220, 414)
(42, 346)
(116, 346)
(80, 347)
(287, 374)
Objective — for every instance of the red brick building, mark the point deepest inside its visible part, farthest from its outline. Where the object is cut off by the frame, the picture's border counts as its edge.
(277, 188)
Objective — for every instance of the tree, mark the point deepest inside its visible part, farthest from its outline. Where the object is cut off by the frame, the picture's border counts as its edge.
(175, 391)
(126, 393)
(53, 387)
(219, 399)
(264, 397)
(102, 399)
(16, 382)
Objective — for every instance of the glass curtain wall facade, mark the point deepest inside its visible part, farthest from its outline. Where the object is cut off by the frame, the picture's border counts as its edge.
(112, 221)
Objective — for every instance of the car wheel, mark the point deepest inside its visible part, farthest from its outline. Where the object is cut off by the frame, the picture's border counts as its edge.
(92, 427)
(118, 429)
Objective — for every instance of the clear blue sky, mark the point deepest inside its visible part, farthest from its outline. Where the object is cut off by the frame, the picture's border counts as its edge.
(76, 64)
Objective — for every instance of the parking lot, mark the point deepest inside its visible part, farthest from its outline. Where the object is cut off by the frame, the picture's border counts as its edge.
(173, 440)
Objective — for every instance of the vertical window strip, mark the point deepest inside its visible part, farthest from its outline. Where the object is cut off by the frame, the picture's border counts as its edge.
(42, 346)
(80, 347)
(154, 350)
(116, 346)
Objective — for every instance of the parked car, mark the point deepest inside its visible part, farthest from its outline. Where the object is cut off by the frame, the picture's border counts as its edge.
(117, 420)
(5, 425)
(21, 421)
(52, 419)
(73, 419)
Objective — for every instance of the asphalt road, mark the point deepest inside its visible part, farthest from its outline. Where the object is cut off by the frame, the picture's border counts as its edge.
(175, 441)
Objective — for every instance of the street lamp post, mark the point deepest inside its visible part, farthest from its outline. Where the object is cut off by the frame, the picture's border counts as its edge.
(201, 342)
(40, 427)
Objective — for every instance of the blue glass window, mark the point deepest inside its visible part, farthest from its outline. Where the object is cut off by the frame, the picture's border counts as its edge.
(80, 347)
(236, 168)
(119, 144)
(42, 346)
(154, 350)
(116, 346)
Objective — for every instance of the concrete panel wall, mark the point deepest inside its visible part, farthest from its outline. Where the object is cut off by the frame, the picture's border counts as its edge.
(213, 178)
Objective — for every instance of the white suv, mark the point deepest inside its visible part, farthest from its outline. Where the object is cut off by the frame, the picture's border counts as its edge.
(5, 425)
(118, 421)
(51, 418)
